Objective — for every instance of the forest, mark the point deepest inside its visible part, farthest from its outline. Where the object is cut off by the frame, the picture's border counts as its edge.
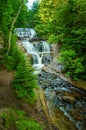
(61, 22)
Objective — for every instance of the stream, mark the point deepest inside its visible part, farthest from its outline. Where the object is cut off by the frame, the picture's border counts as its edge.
(66, 102)
(64, 97)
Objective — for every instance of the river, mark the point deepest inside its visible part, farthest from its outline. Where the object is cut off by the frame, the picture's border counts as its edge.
(66, 102)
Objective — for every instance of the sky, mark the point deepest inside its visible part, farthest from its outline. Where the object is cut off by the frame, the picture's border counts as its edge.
(30, 3)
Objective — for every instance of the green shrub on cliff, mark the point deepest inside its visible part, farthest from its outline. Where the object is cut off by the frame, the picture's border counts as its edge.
(72, 64)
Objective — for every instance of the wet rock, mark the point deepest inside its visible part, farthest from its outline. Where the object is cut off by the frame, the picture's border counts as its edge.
(67, 99)
(63, 95)
(69, 106)
(47, 58)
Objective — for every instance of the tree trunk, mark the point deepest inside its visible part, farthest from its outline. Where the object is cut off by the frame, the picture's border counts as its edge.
(12, 25)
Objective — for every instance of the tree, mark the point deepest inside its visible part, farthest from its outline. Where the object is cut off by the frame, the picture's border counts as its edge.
(25, 80)
(32, 15)
(12, 25)
(9, 12)
(63, 21)
(45, 15)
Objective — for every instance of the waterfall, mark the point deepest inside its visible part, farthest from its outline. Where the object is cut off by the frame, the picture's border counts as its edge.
(46, 47)
(63, 99)
(29, 47)
(40, 52)
(25, 32)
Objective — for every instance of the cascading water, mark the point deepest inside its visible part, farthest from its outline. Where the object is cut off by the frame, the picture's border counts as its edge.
(25, 32)
(42, 46)
(39, 51)
(46, 47)
(61, 95)
(29, 47)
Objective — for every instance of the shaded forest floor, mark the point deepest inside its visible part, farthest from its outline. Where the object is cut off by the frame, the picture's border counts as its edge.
(8, 99)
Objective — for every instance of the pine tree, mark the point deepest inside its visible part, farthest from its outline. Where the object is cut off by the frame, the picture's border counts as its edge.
(25, 79)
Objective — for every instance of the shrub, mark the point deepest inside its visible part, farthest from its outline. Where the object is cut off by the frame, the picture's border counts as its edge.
(73, 64)
(28, 125)
(10, 64)
(52, 39)
(16, 118)
(25, 80)
(13, 59)
(24, 123)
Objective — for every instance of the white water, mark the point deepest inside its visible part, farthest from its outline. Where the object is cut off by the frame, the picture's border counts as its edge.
(46, 47)
(29, 47)
(25, 32)
(36, 54)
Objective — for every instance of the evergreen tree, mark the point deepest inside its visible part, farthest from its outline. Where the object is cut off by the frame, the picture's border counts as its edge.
(25, 80)
(63, 21)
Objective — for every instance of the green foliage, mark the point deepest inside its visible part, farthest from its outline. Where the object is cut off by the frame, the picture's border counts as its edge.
(52, 39)
(24, 123)
(8, 118)
(59, 21)
(8, 11)
(27, 17)
(28, 125)
(65, 23)
(15, 118)
(25, 80)
(10, 64)
(22, 20)
(72, 64)
(13, 59)
(32, 15)
(45, 14)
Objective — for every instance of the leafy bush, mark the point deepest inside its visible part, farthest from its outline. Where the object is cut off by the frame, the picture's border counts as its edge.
(12, 60)
(28, 125)
(73, 64)
(16, 118)
(52, 39)
(24, 123)
(10, 63)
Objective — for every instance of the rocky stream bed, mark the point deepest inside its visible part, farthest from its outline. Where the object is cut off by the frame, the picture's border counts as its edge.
(66, 102)
(65, 99)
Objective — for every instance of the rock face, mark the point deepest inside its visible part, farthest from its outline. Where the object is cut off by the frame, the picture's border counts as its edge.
(54, 50)
(64, 96)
